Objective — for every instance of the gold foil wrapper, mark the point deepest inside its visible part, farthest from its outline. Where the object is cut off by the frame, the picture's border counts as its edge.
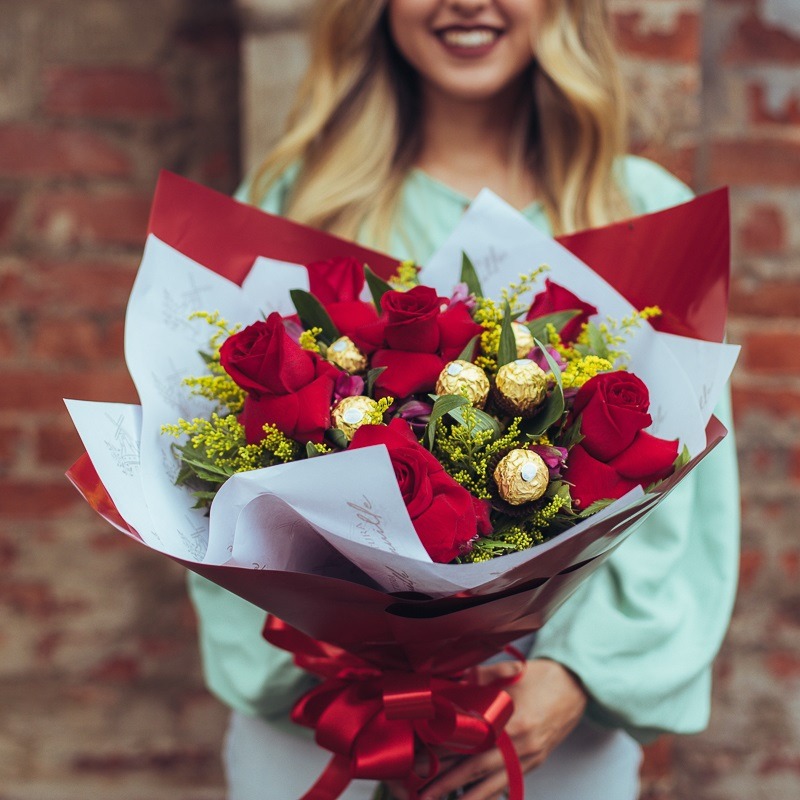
(463, 377)
(521, 477)
(521, 386)
(523, 339)
(346, 355)
(350, 413)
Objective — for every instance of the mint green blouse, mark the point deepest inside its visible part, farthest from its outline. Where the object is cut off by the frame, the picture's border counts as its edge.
(641, 633)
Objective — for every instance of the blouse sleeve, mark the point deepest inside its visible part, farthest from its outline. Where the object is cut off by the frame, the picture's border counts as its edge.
(642, 633)
(240, 667)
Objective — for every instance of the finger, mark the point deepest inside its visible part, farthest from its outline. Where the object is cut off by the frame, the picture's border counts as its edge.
(491, 788)
(396, 790)
(468, 771)
(486, 673)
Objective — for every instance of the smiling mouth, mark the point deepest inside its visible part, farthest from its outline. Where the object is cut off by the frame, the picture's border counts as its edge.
(469, 38)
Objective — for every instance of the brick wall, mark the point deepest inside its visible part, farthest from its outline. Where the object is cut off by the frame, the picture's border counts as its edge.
(100, 691)
(100, 694)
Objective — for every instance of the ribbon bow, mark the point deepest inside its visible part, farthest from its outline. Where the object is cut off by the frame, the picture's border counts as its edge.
(373, 720)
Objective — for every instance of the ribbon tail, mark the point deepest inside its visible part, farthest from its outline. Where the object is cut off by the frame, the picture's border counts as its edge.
(516, 787)
(333, 781)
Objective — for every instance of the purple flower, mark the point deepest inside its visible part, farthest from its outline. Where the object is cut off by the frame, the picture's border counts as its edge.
(553, 457)
(538, 358)
(347, 386)
(461, 295)
(417, 414)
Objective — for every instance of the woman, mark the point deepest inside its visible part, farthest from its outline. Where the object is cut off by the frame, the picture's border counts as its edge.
(409, 108)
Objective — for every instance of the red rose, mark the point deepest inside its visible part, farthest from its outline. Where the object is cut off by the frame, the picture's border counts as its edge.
(286, 386)
(337, 284)
(556, 298)
(445, 515)
(647, 460)
(615, 453)
(613, 409)
(414, 339)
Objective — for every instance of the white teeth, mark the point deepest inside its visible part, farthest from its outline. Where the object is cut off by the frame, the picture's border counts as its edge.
(475, 38)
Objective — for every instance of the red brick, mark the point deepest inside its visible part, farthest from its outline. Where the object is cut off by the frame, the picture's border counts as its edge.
(26, 500)
(769, 299)
(8, 341)
(120, 669)
(777, 762)
(750, 563)
(764, 231)
(776, 402)
(783, 664)
(9, 553)
(8, 210)
(75, 217)
(772, 352)
(758, 162)
(96, 287)
(789, 561)
(658, 759)
(756, 41)
(794, 466)
(58, 445)
(107, 92)
(762, 111)
(680, 43)
(35, 599)
(76, 339)
(11, 440)
(43, 390)
(29, 151)
(680, 161)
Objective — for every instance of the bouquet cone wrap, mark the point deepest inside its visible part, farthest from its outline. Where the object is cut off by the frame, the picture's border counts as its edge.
(328, 564)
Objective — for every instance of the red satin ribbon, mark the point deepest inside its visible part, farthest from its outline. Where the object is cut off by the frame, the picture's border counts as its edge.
(374, 721)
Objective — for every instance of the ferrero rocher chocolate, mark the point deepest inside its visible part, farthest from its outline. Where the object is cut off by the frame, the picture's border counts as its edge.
(521, 387)
(463, 377)
(521, 477)
(523, 339)
(350, 413)
(346, 355)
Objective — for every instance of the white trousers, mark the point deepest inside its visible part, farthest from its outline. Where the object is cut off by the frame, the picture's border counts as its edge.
(263, 762)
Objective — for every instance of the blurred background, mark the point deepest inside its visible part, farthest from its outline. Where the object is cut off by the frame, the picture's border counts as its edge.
(100, 689)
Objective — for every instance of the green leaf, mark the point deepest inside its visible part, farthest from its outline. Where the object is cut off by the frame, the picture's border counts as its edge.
(598, 505)
(372, 376)
(538, 326)
(311, 451)
(553, 407)
(377, 286)
(468, 353)
(336, 437)
(683, 458)
(470, 276)
(485, 422)
(313, 315)
(507, 351)
(441, 406)
(596, 341)
(571, 435)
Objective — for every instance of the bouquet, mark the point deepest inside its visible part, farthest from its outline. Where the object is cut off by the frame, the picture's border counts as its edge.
(410, 470)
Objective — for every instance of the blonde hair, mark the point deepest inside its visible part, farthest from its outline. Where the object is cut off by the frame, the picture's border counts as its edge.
(354, 126)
